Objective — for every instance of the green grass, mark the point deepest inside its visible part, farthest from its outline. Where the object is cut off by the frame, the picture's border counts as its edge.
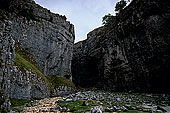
(76, 107)
(25, 54)
(56, 81)
(18, 105)
(3, 111)
(16, 102)
(24, 64)
(24, 60)
(60, 81)
(53, 81)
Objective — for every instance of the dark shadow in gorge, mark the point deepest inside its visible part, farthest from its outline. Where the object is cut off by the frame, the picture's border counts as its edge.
(85, 72)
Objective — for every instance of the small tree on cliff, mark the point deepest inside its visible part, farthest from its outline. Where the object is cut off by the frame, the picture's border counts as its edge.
(120, 5)
(108, 19)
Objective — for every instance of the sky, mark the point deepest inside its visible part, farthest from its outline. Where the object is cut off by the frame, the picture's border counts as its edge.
(85, 15)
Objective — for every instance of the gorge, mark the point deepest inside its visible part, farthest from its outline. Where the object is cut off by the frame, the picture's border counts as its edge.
(38, 58)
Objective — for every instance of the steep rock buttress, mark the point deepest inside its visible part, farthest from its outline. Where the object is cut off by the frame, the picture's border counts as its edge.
(35, 45)
(131, 54)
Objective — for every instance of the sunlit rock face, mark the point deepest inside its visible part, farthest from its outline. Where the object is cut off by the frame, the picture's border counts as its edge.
(47, 37)
(132, 54)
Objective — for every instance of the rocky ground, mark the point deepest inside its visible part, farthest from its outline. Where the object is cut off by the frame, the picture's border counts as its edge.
(100, 101)
(43, 105)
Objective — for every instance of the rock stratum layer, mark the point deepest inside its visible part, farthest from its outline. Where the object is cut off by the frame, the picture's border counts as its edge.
(131, 54)
(35, 45)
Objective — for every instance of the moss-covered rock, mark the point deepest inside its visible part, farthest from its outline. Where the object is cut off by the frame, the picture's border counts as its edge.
(24, 65)
(60, 81)
(24, 60)
(60, 86)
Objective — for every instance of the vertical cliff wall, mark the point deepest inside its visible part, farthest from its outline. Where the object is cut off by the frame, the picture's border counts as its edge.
(49, 37)
(6, 62)
(131, 54)
(35, 44)
(7, 55)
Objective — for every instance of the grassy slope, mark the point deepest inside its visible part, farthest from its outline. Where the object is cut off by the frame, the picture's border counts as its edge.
(24, 64)
(24, 60)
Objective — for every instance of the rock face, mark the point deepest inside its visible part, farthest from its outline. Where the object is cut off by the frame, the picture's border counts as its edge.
(6, 62)
(33, 42)
(13, 83)
(132, 54)
(7, 56)
(27, 86)
(49, 37)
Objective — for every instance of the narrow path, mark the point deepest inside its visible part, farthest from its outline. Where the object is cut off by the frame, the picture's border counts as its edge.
(43, 105)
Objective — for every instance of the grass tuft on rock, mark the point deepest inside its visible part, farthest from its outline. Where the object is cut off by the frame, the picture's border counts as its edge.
(24, 64)
(18, 105)
(76, 106)
(25, 54)
(16, 102)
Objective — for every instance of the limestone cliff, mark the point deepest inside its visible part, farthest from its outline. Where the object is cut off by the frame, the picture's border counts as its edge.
(131, 54)
(34, 44)
(6, 61)
(49, 37)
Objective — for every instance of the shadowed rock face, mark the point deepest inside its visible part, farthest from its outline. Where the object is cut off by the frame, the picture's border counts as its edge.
(132, 54)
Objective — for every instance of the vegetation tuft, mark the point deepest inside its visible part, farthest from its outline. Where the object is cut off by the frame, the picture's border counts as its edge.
(59, 81)
(3, 15)
(56, 81)
(108, 19)
(16, 102)
(18, 105)
(24, 60)
(24, 64)
(120, 5)
(77, 106)
(26, 54)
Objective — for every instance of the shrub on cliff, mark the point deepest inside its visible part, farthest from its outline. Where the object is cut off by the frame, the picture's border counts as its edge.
(108, 19)
(120, 5)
